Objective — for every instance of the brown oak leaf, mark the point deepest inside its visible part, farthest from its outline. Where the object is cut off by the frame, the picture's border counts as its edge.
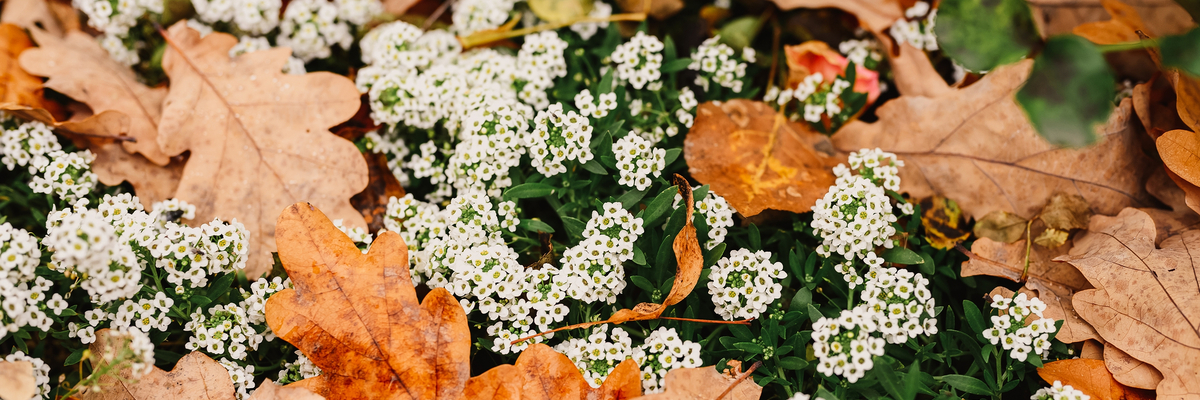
(757, 159)
(269, 390)
(976, 146)
(1146, 300)
(195, 377)
(18, 88)
(1055, 17)
(1130, 371)
(16, 380)
(659, 9)
(703, 384)
(874, 15)
(259, 139)
(356, 316)
(1091, 378)
(31, 14)
(1054, 282)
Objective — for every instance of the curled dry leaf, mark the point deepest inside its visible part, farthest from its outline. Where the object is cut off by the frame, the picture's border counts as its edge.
(18, 89)
(1123, 26)
(976, 146)
(269, 390)
(195, 377)
(757, 159)
(703, 384)
(356, 316)
(259, 139)
(659, 9)
(1154, 104)
(1178, 216)
(1130, 371)
(16, 380)
(943, 221)
(1146, 300)
(1054, 282)
(1091, 378)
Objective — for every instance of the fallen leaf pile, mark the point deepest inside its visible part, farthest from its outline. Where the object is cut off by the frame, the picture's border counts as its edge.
(356, 316)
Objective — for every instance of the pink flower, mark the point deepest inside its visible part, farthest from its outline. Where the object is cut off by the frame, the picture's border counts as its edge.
(814, 56)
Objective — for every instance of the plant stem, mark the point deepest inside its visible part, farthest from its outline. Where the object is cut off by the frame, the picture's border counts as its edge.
(1141, 44)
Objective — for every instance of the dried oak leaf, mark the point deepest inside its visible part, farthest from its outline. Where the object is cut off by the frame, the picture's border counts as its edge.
(259, 139)
(976, 146)
(31, 14)
(1130, 371)
(1121, 28)
(1054, 282)
(18, 88)
(1146, 300)
(659, 9)
(943, 221)
(269, 390)
(1055, 17)
(1091, 378)
(16, 380)
(356, 316)
(79, 68)
(874, 15)
(700, 383)
(757, 159)
(1001, 226)
(195, 377)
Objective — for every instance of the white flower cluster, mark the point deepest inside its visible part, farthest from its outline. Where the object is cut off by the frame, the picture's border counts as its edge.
(894, 304)
(115, 18)
(41, 373)
(250, 44)
(639, 61)
(256, 300)
(393, 45)
(358, 12)
(395, 149)
(820, 100)
(472, 16)
(587, 106)
(144, 315)
(716, 212)
(662, 352)
(687, 101)
(360, 236)
(1010, 331)
(312, 27)
(916, 28)
(417, 222)
(714, 61)
(69, 176)
(593, 267)
(22, 292)
(597, 355)
(224, 329)
(557, 137)
(190, 255)
(86, 247)
(860, 51)
(856, 215)
(745, 283)
(1058, 391)
(900, 303)
(255, 17)
(586, 30)
(299, 370)
(490, 145)
(638, 160)
(242, 377)
(117, 50)
(656, 133)
(520, 316)
(539, 62)
(28, 144)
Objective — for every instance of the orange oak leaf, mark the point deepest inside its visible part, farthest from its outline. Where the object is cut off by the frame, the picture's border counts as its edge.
(16, 380)
(1054, 282)
(1055, 17)
(974, 145)
(259, 139)
(1146, 300)
(757, 159)
(873, 15)
(78, 67)
(704, 383)
(356, 316)
(1122, 27)
(1091, 378)
(269, 390)
(18, 89)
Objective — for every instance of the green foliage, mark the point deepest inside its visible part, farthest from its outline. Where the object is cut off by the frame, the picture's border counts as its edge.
(1182, 51)
(1069, 91)
(983, 34)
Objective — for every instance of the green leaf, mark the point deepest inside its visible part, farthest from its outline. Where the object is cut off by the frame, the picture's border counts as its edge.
(221, 286)
(967, 384)
(741, 332)
(676, 66)
(659, 206)
(630, 199)
(927, 268)
(528, 190)
(1069, 91)
(642, 283)
(574, 226)
(900, 255)
(801, 300)
(74, 357)
(974, 317)
(983, 34)
(793, 363)
(749, 347)
(1182, 51)
(814, 314)
(199, 301)
(534, 225)
(755, 238)
(671, 156)
(595, 167)
(740, 32)
(824, 394)
(639, 257)
(713, 255)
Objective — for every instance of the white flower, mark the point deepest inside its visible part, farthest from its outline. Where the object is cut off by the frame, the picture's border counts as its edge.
(743, 284)
(557, 137)
(639, 61)
(256, 17)
(472, 16)
(597, 355)
(662, 352)
(714, 61)
(637, 161)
